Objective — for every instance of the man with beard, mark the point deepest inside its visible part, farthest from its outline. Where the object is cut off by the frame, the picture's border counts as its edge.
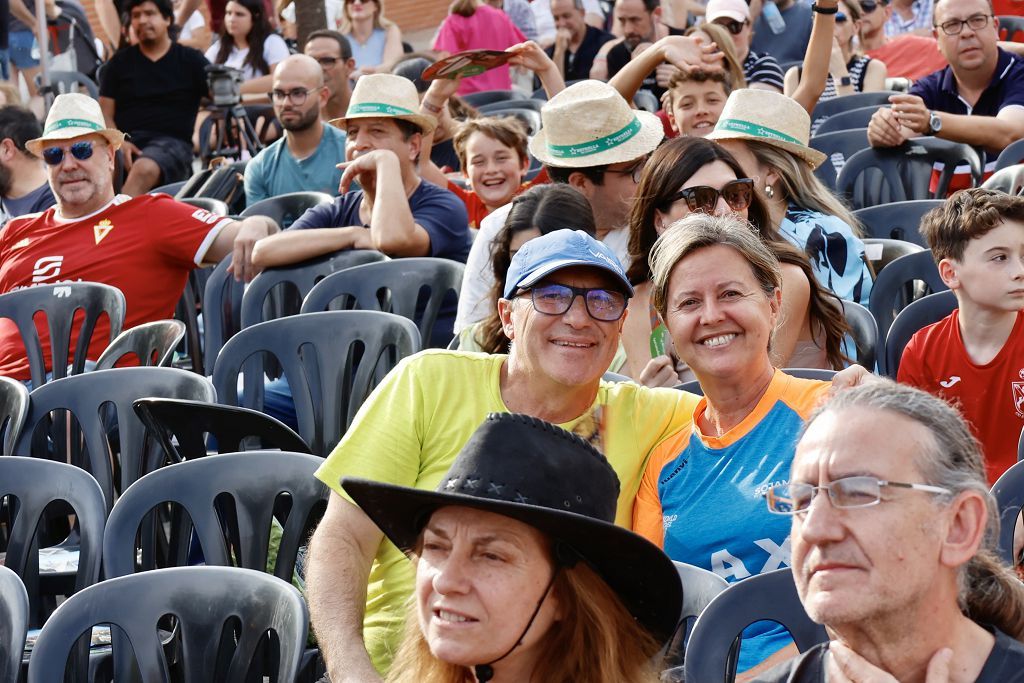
(306, 157)
(151, 91)
(23, 186)
(334, 54)
(638, 21)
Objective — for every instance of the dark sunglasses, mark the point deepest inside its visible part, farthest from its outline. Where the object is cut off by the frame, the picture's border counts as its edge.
(840, 18)
(868, 6)
(737, 194)
(734, 27)
(80, 150)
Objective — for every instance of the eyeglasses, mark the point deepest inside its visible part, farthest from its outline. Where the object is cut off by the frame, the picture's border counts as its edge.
(734, 27)
(605, 305)
(953, 27)
(80, 150)
(846, 493)
(868, 6)
(297, 96)
(635, 172)
(327, 62)
(737, 194)
(840, 18)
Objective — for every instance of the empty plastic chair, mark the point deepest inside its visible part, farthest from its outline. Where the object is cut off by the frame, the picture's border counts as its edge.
(285, 209)
(894, 289)
(150, 343)
(1009, 493)
(847, 119)
(222, 311)
(1011, 155)
(1009, 179)
(13, 411)
(881, 252)
(770, 596)
(917, 315)
(60, 303)
(825, 108)
(864, 332)
(13, 624)
(223, 617)
(898, 220)
(837, 147)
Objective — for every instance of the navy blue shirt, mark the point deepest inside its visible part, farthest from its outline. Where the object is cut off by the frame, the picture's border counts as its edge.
(939, 90)
(577, 64)
(438, 211)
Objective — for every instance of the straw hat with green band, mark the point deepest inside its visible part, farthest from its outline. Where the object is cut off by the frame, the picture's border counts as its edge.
(767, 117)
(72, 116)
(387, 96)
(589, 124)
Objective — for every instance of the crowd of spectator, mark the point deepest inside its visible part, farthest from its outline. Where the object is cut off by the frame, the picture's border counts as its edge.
(652, 356)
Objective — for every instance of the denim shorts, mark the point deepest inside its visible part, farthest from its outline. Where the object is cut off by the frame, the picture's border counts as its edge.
(21, 43)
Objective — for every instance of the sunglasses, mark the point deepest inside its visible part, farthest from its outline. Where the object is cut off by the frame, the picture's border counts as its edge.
(80, 150)
(734, 27)
(737, 194)
(602, 304)
(840, 18)
(868, 6)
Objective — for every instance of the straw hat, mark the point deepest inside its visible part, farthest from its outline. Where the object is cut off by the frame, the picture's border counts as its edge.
(539, 474)
(388, 96)
(71, 116)
(767, 117)
(590, 124)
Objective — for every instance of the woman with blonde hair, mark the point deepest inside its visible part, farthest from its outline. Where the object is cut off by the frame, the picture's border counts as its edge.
(376, 41)
(521, 573)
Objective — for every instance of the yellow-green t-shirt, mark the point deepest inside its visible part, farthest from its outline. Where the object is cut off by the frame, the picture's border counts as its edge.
(410, 429)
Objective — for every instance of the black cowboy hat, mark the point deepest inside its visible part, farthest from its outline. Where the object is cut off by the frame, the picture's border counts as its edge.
(532, 471)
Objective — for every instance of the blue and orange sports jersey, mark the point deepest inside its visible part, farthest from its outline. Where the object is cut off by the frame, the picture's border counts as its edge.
(701, 497)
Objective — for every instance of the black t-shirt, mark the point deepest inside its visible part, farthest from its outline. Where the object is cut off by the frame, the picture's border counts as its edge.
(577, 64)
(619, 57)
(1005, 664)
(443, 155)
(160, 97)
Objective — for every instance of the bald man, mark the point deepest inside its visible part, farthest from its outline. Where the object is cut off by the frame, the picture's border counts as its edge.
(306, 157)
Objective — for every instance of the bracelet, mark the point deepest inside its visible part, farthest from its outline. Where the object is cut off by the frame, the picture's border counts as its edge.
(430, 107)
(824, 10)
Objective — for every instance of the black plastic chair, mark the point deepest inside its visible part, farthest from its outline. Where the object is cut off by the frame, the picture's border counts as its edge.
(847, 119)
(881, 252)
(13, 411)
(170, 188)
(214, 206)
(710, 654)
(13, 624)
(878, 176)
(899, 220)
(838, 147)
(60, 303)
(479, 99)
(230, 500)
(222, 311)
(36, 484)
(187, 310)
(151, 343)
(1009, 179)
(894, 290)
(1009, 494)
(864, 332)
(223, 617)
(1009, 27)
(180, 427)
(542, 95)
(825, 108)
(918, 314)
(700, 587)
(295, 282)
(331, 361)
(518, 103)
(1011, 155)
(285, 209)
(85, 397)
(529, 116)
(398, 286)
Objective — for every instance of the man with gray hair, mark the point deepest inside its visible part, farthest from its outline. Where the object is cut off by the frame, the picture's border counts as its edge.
(897, 559)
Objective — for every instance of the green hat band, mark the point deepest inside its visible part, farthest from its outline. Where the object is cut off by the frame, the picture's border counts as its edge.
(378, 108)
(598, 145)
(71, 123)
(756, 130)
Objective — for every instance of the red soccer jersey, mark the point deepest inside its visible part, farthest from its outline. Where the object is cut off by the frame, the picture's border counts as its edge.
(144, 246)
(990, 396)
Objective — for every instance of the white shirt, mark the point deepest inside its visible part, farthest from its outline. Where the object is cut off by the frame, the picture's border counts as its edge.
(274, 50)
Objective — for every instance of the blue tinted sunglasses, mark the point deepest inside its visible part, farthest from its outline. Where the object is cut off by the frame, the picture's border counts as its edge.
(840, 17)
(80, 150)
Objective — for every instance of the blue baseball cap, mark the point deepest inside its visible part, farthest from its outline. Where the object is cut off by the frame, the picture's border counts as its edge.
(543, 255)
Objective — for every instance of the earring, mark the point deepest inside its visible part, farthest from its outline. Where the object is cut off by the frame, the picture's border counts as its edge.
(769, 192)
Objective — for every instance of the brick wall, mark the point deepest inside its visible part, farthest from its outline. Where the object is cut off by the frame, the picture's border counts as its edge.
(415, 15)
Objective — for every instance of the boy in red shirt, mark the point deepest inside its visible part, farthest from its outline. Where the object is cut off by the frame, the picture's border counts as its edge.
(974, 358)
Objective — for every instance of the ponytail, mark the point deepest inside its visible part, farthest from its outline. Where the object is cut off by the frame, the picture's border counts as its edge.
(464, 8)
(992, 594)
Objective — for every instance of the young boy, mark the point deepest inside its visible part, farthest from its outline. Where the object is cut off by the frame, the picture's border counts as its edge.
(694, 101)
(974, 358)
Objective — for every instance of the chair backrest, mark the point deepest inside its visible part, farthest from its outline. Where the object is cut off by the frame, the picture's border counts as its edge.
(529, 116)
(331, 361)
(890, 294)
(35, 484)
(414, 288)
(838, 146)
(295, 282)
(1009, 27)
(187, 310)
(825, 108)
(170, 188)
(214, 206)
(13, 411)
(1009, 179)
(13, 624)
(864, 331)
(918, 314)
(1009, 493)
(69, 81)
(898, 220)
(482, 97)
(60, 303)
(876, 176)
(880, 252)
(770, 596)
(151, 343)
(699, 588)
(231, 502)
(180, 428)
(847, 119)
(518, 103)
(285, 209)
(1011, 155)
(222, 311)
(85, 397)
(221, 612)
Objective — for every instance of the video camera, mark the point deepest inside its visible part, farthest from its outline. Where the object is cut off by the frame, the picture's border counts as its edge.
(225, 85)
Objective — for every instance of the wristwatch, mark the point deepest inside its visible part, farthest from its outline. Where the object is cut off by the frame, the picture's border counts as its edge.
(845, 81)
(824, 10)
(934, 123)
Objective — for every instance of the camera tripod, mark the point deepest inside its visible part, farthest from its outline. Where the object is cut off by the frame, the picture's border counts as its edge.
(228, 132)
